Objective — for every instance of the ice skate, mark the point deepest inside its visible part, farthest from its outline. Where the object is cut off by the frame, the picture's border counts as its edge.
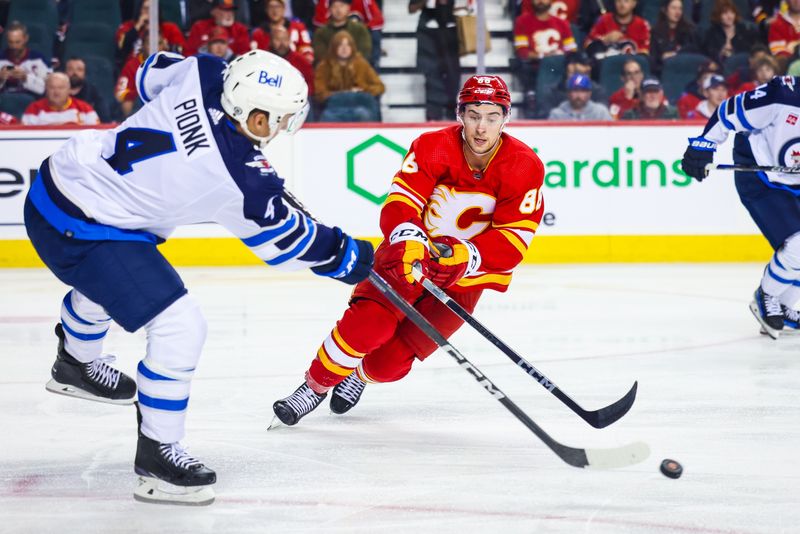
(300, 403)
(767, 310)
(169, 475)
(96, 381)
(347, 393)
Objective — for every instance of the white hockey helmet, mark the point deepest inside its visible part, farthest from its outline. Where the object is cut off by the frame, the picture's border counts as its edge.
(264, 81)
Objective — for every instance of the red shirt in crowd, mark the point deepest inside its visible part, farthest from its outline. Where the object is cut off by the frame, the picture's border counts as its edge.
(239, 40)
(75, 111)
(169, 32)
(618, 103)
(563, 9)
(686, 105)
(300, 40)
(544, 37)
(637, 32)
(367, 10)
(126, 83)
(783, 36)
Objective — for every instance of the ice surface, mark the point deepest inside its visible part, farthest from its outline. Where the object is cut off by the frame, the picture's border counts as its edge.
(434, 452)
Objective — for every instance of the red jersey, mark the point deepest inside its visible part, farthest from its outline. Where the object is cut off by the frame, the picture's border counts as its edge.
(783, 36)
(562, 9)
(169, 32)
(618, 103)
(299, 39)
(498, 210)
(686, 105)
(637, 32)
(126, 83)
(75, 111)
(238, 42)
(543, 37)
(367, 10)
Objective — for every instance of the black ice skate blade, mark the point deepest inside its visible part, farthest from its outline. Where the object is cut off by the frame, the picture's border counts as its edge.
(771, 332)
(71, 391)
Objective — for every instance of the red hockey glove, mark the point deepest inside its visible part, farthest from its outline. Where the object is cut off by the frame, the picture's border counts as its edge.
(408, 244)
(456, 259)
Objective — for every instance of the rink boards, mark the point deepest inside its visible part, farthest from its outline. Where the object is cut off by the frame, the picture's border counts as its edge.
(614, 192)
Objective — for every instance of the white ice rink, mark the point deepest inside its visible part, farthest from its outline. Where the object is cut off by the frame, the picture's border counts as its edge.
(434, 452)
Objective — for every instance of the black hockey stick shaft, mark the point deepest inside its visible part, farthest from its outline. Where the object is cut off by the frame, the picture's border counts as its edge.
(597, 418)
(576, 457)
(752, 168)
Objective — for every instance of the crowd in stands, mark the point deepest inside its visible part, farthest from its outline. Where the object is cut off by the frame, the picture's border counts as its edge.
(74, 61)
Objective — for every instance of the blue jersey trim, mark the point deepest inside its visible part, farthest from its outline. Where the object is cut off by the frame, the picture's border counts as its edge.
(84, 337)
(163, 404)
(740, 112)
(778, 278)
(299, 248)
(152, 375)
(76, 228)
(71, 310)
(142, 92)
(721, 114)
(269, 235)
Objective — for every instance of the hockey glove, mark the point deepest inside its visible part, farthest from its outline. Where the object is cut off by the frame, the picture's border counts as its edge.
(352, 262)
(699, 154)
(408, 244)
(456, 259)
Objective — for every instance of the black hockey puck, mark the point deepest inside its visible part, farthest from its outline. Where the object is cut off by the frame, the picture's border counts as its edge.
(671, 468)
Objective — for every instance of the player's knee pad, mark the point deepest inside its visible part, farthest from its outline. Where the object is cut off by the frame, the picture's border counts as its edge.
(175, 337)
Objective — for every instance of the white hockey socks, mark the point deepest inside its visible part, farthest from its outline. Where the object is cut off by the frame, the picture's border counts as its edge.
(85, 326)
(175, 340)
(782, 275)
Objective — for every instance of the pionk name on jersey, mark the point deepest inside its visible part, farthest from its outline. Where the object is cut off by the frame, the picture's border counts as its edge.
(193, 135)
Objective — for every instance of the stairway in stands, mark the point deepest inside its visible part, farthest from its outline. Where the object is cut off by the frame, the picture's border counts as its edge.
(405, 89)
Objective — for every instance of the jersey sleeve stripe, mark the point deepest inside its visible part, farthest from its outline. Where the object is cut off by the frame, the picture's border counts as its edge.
(515, 240)
(740, 112)
(273, 233)
(145, 68)
(298, 249)
(338, 356)
(722, 110)
(330, 365)
(397, 197)
(405, 187)
(501, 279)
(526, 224)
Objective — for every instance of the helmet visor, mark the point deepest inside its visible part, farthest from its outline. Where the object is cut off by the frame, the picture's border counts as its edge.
(296, 120)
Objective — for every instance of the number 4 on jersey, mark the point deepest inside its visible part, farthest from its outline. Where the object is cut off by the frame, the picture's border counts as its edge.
(138, 144)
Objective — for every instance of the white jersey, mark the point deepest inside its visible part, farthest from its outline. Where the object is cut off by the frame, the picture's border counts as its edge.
(769, 116)
(180, 160)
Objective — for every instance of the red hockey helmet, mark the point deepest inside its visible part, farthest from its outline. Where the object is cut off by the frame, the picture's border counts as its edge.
(484, 89)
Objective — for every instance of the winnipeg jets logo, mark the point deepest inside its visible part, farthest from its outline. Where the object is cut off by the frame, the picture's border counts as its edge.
(461, 215)
(789, 154)
(260, 163)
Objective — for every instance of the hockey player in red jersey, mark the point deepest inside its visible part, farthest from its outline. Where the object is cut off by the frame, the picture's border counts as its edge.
(468, 188)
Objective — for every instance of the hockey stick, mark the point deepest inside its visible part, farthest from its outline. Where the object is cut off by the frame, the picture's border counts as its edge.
(597, 418)
(624, 456)
(752, 168)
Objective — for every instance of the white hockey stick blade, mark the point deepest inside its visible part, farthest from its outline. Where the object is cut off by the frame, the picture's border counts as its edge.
(155, 491)
(71, 391)
(624, 456)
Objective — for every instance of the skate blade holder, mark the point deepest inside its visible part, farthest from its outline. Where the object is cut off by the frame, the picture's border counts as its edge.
(71, 391)
(153, 490)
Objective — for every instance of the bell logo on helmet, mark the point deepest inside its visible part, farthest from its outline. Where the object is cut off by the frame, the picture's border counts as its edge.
(272, 81)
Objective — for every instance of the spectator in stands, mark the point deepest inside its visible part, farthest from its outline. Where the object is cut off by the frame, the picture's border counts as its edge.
(715, 91)
(223, 13)
(437, 56)
(566, 10)
(728, 34)
(627, 96)
(22, 70)
(299, 38)
(129, 34)
(281, 45)
(652, 104)
(346, 84)
(745, 74)
(202, 9)
(340, 21)
(622, 32)
(764, 69)
(784, 34)
(576, 63)
(81, 89)
(57, 107)
(672, 34)
(217, 44)
(591, 10)
(126, 93)
(693, 94)
(578, 105)
(368, 12)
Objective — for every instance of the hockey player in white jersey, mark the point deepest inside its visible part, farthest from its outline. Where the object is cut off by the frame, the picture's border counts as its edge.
(103, 201)
(765, 121)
